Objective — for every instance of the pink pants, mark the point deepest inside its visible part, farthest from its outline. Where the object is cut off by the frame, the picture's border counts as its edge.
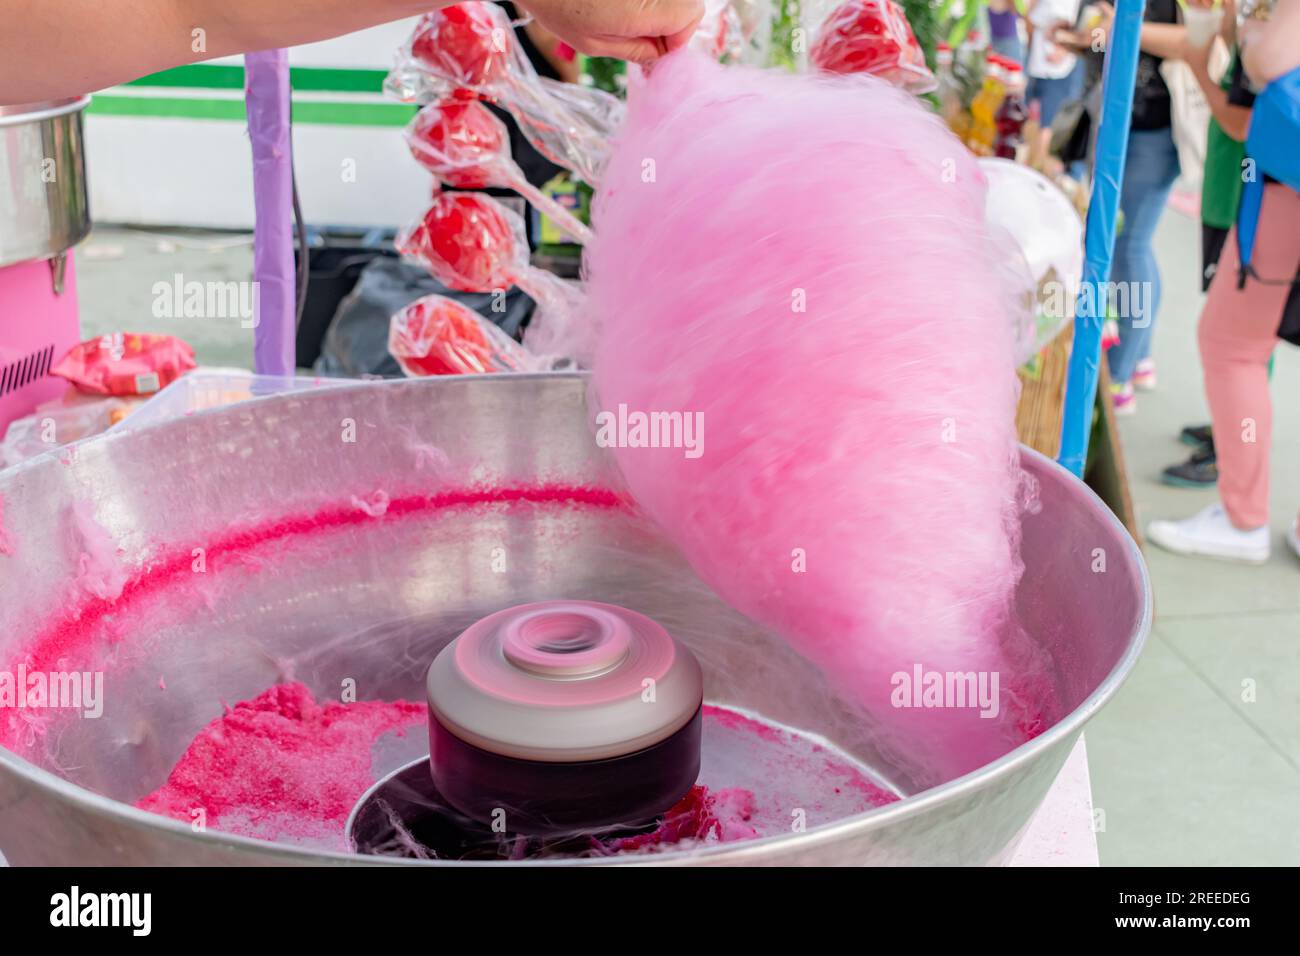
(1237, 333)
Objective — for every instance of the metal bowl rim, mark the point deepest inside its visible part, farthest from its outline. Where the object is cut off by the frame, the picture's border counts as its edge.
(836, 830)
(36, 112)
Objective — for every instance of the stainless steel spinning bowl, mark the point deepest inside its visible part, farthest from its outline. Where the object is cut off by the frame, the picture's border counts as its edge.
(43, 205)
(375, 602)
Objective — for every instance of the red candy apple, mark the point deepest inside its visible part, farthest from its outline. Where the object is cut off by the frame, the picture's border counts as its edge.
(467, 241)
(460, 143)
(467, 44)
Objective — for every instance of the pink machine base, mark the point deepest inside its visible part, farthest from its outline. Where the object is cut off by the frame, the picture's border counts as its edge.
(37, 328)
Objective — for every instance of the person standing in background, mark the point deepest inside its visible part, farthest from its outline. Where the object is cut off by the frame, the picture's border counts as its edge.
(1239, 330)
(1052, 69)
(1225, 151)
(1004, 30)
(1150, 169)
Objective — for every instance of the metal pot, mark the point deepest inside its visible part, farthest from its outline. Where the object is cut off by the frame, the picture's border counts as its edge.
(43, 206)
(376, 602)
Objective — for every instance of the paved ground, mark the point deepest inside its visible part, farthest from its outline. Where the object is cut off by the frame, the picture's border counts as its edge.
(1189, 769)
(117, 271)
(1185, 769)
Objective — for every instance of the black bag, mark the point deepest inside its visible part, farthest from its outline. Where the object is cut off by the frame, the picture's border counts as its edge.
(356, 344)
(1289, 330)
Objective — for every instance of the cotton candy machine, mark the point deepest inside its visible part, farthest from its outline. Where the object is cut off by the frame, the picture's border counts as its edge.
(44, 212)
(337, 541)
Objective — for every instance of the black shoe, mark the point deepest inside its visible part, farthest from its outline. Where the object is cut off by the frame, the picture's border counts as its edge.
(1196, 435)
(1199, 471)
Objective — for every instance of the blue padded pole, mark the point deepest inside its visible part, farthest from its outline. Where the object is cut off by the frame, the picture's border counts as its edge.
(1099, 241)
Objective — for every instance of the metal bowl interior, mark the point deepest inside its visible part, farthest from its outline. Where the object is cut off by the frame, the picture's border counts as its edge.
(326, 599)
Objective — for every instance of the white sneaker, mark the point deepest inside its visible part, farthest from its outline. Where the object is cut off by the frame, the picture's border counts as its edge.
(1293, 536)
(1209, 532)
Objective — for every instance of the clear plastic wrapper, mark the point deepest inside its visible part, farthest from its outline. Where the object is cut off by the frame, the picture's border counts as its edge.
(62, 421)
(125, 363)
(436, 335)
(755, 18)
(1040, 237)
(468, 241)
(215, 387)
(469, 51)
(721, 34)
(872, 36)
(472, 243)
(466, 147)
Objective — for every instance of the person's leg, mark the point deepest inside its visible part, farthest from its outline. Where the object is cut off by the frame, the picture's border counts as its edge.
(1051, 95)
(1010, 47)
(1149, 173)
(1237, 333)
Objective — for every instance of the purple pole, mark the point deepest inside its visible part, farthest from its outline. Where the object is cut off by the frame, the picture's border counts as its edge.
(266, 97)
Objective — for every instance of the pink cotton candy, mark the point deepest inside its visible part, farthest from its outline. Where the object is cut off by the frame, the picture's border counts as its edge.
(6, 545)
(375, 505)
(801, 263)
(98, 569)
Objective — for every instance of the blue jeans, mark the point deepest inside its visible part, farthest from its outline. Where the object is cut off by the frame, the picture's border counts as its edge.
(1149, 174)
(1053, 94)
(1009, 46)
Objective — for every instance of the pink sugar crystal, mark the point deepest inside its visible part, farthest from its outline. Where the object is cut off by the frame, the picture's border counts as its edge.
(279, 757)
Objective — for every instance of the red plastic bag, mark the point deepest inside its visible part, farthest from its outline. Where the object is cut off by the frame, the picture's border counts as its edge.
(872, 36)
(439, 336)
(125, 363)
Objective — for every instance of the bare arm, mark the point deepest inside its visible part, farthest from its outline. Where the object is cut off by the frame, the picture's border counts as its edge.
(1233, 119)
(1164, 40)
(50, 49)
(548, 44)
(1271, 48)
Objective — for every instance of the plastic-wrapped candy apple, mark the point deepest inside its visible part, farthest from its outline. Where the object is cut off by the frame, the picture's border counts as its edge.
(468, 241)
(472, 243)
(436, 335)
(466, 147)
(872, 36)
(466, 43)
(470, 50)
(454, 140)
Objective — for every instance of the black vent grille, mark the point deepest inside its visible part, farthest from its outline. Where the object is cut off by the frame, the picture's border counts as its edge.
(26, 370)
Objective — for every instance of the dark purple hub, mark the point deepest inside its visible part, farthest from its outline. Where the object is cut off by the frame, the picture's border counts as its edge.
(541, 798)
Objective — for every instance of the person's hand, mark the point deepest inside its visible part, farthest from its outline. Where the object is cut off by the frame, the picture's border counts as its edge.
(1198, 58)
(636, 30)
(1064, 38)
(1228, 28)
(1101, 29)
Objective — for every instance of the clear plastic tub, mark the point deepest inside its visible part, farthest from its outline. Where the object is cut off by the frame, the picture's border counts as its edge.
(216, 387)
